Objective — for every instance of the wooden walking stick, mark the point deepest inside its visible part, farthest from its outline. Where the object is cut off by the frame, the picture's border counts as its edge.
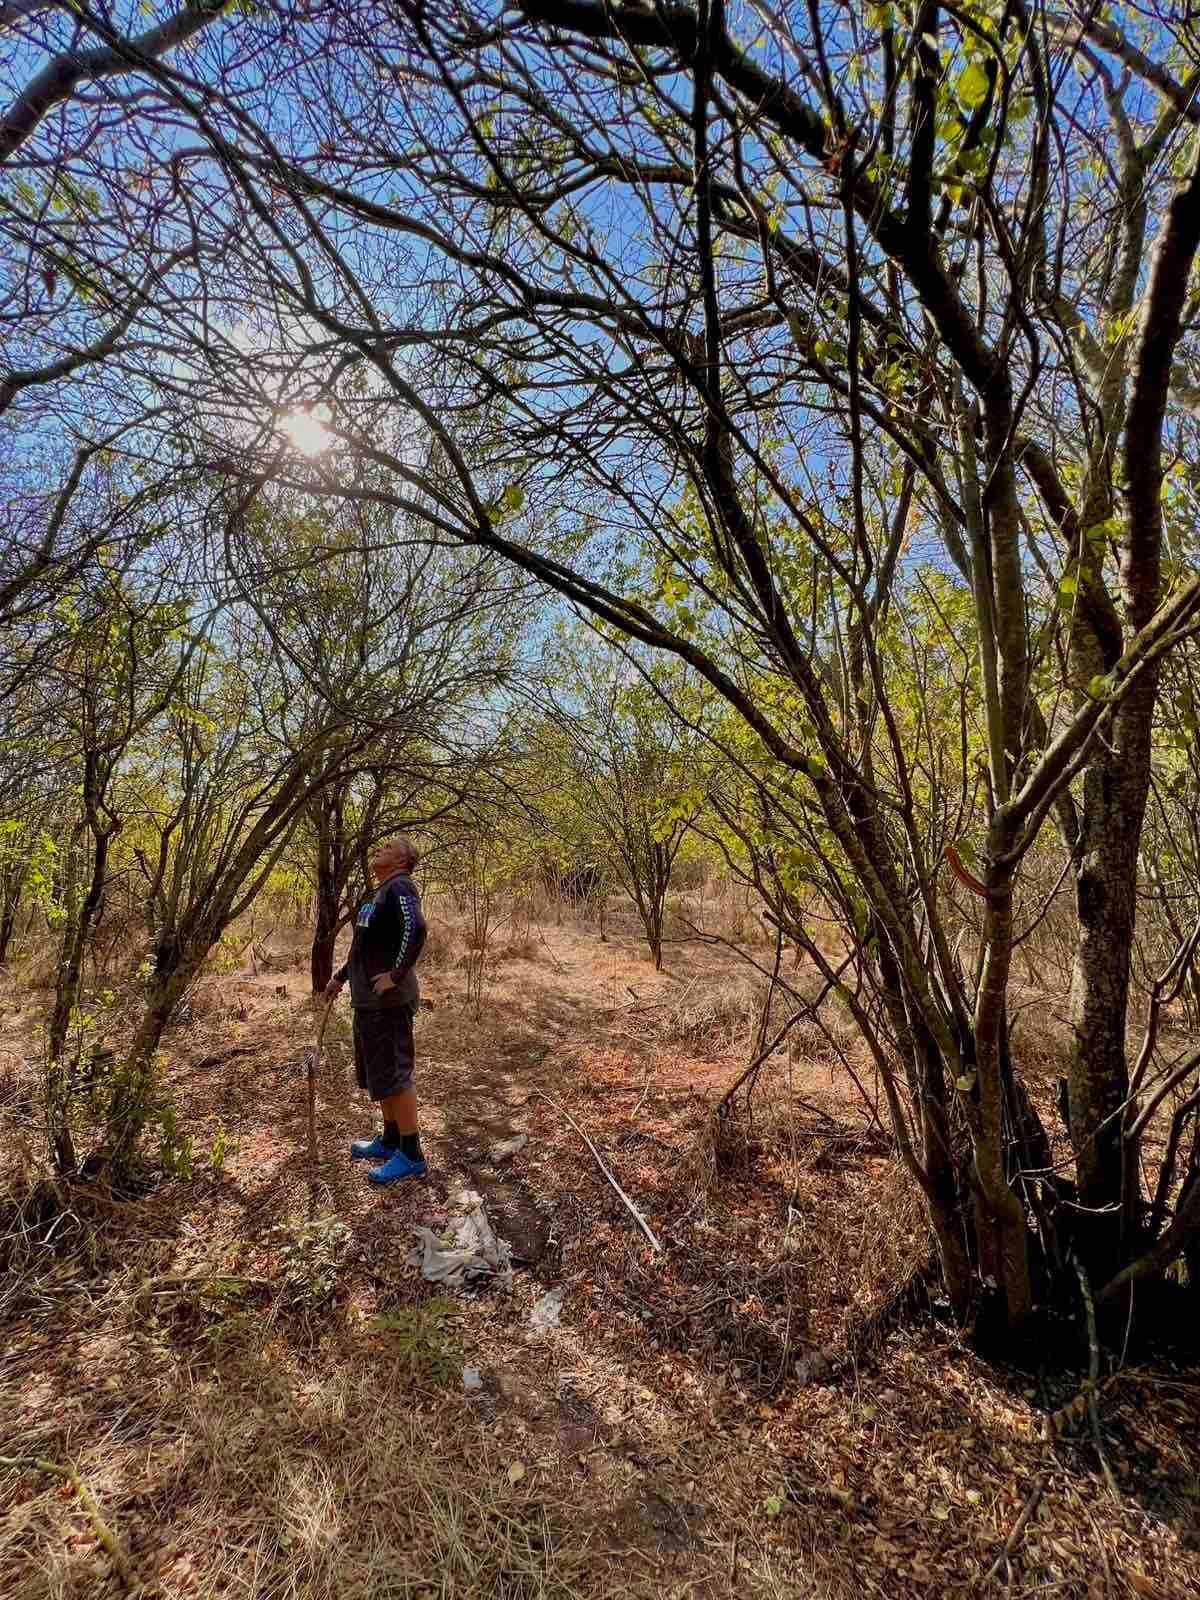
(314, 1057)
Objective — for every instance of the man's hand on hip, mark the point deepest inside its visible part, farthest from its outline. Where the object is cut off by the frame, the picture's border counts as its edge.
(383, 983)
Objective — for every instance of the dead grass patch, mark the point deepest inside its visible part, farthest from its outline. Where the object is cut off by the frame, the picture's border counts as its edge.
(344, 1489)
(713, 1017)
(241, 1444)
(34, 965)
(444, 946)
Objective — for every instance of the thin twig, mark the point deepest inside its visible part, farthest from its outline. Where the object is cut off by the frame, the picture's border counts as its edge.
(642, 1097)
(808, 1008)
(1010, 1544)
(629, 1205)
(764, 1022)
(314, 1059)
(700, 937)
(1046, 903)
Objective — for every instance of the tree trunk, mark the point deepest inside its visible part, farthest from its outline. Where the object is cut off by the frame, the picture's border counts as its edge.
(130, 1106)
(654, 931)
(938, 1166)
(1001, 1229)
(1115, 791)
(325, 932)
(1191, 1250)
(8, 920)
(70, 968)
(660, 882)
(944, 1198)
(925, 1074)
(321, 959)
(321, 955)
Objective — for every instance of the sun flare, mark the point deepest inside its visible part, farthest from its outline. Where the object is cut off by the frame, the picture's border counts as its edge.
(307, 433)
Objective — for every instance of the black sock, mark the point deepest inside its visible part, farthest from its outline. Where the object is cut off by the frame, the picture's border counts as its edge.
(392, 1137)
(410, 1144)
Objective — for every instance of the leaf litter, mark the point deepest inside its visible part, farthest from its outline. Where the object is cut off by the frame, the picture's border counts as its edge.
(237, 1441)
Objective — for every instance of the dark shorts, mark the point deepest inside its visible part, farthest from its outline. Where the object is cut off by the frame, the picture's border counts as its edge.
(383, 1051)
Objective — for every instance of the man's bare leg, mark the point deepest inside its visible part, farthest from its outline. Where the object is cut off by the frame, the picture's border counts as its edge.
(401, 1109)
(400, 1123)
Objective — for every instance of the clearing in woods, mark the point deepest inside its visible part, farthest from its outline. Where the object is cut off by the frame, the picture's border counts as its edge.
(258, 1397)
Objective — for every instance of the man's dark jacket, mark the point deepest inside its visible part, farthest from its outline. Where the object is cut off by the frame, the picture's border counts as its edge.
(389, 935)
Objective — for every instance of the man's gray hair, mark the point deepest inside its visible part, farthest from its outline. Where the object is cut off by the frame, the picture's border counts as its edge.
(402, 845)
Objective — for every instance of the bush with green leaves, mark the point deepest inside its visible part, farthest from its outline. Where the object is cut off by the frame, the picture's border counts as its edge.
(422, 1339)
(313, 1253)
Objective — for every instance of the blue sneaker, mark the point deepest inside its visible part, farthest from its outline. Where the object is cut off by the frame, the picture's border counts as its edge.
(375, 1149)
(397, 1166)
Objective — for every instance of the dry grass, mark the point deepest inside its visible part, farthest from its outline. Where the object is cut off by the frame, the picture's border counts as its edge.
(713, 1017)
(244, 1439)
(444, 947)
(522, 944)
(724, 906)
(223, 1457)
(33, 965)
(352, 1488)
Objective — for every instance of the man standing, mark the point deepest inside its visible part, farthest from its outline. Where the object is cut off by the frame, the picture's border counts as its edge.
(389, 934)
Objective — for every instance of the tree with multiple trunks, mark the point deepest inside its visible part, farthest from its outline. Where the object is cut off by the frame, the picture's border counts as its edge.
(627, 765)
(316, 683)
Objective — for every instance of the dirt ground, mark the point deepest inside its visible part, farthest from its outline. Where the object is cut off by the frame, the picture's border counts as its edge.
(237, 1386)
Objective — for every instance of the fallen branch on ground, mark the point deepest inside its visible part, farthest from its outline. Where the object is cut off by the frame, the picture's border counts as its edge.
(628, 1203)
(221, 1058)
(826, 1363)
(1022, 1522)
(116, 1550)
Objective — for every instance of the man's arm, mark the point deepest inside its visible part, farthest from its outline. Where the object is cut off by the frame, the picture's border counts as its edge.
(413, 932)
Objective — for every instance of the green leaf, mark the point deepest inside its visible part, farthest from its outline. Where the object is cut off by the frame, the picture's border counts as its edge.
(513, 497)
(972, 86)
(1067, 586)
(1100, 532)
(1098, 686)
